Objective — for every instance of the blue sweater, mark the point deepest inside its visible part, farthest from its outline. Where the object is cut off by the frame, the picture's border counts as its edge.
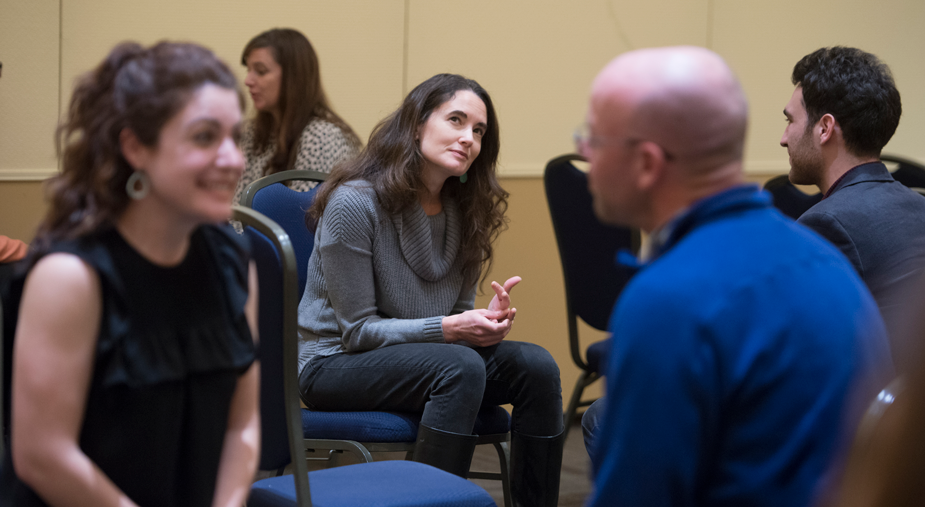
(735, 353)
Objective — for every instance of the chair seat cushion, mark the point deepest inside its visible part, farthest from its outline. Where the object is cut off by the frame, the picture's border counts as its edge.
(597, 355)
(388, 427)
(383, 427)
(379, 484)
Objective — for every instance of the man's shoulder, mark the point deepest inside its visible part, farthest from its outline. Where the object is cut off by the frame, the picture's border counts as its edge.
(871, 208)
(870, 192)
(714, 261)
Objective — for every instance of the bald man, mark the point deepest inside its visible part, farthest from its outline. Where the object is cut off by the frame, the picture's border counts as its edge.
(737, 343)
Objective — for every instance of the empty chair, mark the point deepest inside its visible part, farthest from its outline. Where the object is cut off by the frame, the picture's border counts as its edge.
(789, 199)
(907, 172)
(587, 249)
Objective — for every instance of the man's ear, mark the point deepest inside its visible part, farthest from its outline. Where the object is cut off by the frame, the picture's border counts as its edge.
(133, 150)
(650, 164)
(826, 126)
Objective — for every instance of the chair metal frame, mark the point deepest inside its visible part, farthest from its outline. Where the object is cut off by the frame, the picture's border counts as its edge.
(280, 240)
(247, 198)
(869, 433)
(906, 164)
(863, 437)
(884, 157)
(587, 375)
(330, 449)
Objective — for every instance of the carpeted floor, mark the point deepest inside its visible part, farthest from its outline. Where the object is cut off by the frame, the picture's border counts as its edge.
(574, 483)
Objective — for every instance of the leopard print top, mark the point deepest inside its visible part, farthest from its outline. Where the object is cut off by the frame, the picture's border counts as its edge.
(322, 146)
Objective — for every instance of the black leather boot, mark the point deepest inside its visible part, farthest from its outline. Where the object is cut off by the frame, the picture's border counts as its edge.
(536, 463)
(448, 451)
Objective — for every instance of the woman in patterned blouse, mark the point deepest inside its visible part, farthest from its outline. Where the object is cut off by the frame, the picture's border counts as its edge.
(295, 128)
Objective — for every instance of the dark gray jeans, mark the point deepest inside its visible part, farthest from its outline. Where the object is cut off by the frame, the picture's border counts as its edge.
(447, 383)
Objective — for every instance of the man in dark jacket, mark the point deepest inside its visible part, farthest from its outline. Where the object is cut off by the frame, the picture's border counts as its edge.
(844, 109)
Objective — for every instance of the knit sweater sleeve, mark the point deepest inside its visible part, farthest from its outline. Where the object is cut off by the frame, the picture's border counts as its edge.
(466, 300)
(347, 232)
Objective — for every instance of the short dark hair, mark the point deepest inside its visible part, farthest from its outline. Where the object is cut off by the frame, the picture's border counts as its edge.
(857, 89)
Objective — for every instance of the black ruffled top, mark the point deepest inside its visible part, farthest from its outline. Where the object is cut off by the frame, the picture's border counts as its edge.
(172, 344)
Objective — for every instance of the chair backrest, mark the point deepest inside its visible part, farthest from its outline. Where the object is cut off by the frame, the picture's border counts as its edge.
(864, 435)
(908, 172)
(280, 413)
(587, 248)
(11, 287)
(875, 434)
(3, 385)
(789, 199)
(270, 195)
(793, 202)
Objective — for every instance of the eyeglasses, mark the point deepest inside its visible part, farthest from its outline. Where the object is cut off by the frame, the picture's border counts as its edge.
(584, 139)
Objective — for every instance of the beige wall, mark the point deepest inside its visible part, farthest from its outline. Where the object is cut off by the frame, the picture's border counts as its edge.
(537, 58)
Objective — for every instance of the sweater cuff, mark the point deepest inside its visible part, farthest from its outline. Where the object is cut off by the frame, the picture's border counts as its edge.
(433, 329)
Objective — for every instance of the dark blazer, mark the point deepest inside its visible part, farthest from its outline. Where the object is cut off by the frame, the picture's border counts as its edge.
(879, 224)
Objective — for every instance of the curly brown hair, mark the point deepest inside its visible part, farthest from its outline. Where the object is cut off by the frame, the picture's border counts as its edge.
(393, 163)
(133, 88)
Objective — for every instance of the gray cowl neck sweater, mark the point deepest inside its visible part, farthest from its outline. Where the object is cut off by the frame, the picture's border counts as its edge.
(376, 280)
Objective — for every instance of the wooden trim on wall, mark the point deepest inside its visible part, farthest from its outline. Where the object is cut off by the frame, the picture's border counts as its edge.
(27, 174)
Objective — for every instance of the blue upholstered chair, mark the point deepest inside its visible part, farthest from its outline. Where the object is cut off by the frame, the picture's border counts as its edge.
(270, 196)
(360, 433)
(593, 282)
(387, 483)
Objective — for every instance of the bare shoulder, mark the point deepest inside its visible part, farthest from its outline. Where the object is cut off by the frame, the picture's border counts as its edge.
(62, 285)
(65, 271)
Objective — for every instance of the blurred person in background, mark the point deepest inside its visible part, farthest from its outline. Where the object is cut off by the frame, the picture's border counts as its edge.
(295, 127)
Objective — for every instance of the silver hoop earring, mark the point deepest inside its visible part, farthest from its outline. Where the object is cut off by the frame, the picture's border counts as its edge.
(138, 185)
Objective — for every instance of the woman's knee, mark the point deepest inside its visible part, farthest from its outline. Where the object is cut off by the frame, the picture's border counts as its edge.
(539, 366)
(462, 369)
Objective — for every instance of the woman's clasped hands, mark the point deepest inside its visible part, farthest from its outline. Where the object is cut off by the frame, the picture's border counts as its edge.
(484, 327)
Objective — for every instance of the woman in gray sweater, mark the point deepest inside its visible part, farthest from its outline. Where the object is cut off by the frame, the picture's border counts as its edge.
(387, 320)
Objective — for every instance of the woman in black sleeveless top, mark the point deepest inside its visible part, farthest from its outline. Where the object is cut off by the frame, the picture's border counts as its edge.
(132, 378)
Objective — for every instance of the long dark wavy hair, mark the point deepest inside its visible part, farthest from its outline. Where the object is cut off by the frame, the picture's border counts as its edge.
(301, 98)
(133, 88)
(393, 163)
